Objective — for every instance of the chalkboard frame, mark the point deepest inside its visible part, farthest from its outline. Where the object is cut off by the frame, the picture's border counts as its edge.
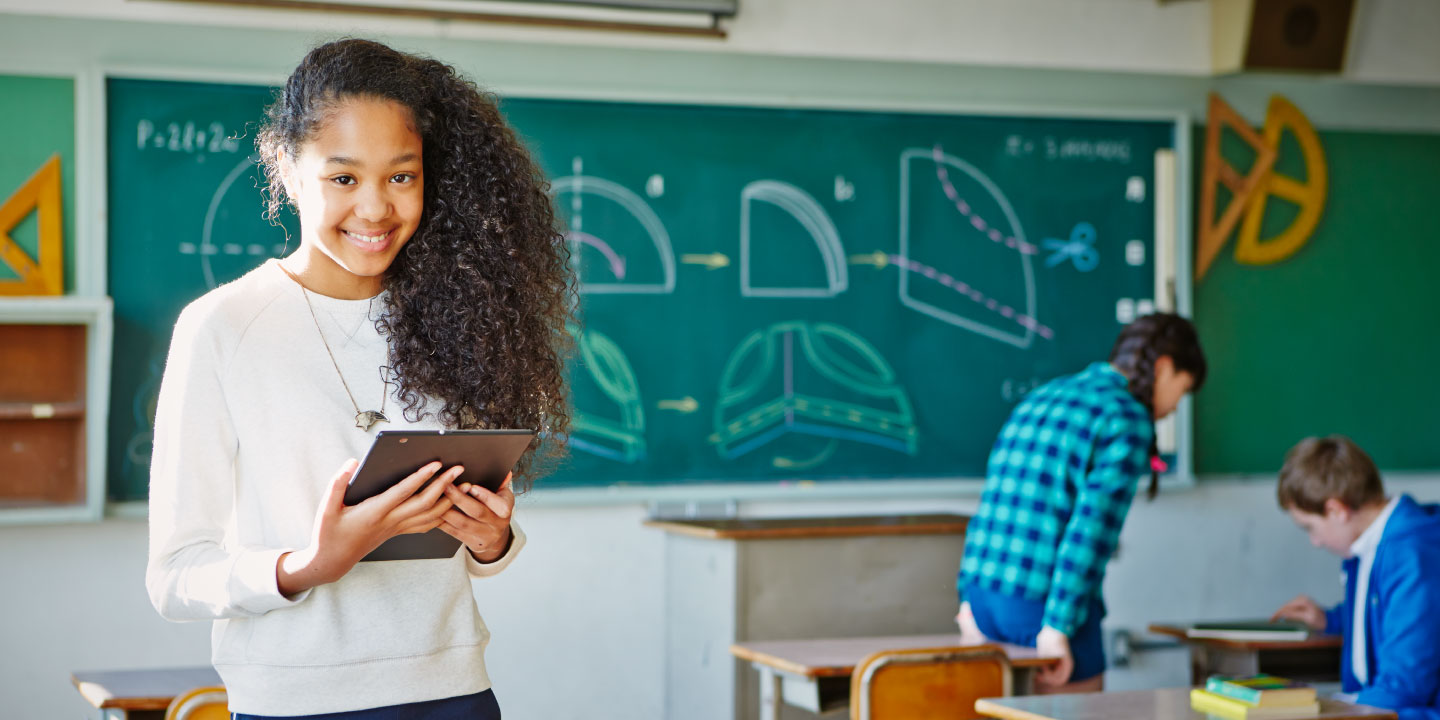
(700, 498)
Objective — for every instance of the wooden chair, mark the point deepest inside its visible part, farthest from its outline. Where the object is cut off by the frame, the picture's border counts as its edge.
(205, 703)
(928, 683)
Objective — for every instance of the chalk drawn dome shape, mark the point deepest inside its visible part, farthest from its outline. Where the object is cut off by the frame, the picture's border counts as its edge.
(656, 238)
(917, 164)
(616, 432)
(816, 379)
(232, 244)
(818, 226)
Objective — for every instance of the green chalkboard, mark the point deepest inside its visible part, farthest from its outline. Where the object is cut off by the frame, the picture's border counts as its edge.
(184, 215)
(40, 123)
(1339, 338)
(766, 294)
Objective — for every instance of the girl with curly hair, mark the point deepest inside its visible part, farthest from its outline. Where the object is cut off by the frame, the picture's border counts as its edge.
(430, 290)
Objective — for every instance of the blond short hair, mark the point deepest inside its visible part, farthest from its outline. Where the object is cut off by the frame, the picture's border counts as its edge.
(1320, 468)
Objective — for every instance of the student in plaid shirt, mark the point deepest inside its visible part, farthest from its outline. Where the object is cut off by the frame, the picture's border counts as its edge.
(1060, 480)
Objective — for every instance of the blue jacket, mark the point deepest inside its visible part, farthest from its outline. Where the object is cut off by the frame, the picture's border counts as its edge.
(1402, 616)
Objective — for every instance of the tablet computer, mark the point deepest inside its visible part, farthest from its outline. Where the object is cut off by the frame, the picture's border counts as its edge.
(488, 456)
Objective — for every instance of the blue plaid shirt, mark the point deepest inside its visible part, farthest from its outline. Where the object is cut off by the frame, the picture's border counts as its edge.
(1060, 479)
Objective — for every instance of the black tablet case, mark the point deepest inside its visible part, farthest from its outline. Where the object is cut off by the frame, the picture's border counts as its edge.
(488, 456)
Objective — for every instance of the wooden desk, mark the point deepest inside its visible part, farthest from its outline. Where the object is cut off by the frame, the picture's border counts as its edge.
(1167, 704)
(815, 674)
(740, 580)
(1315, 659)
(134, 694)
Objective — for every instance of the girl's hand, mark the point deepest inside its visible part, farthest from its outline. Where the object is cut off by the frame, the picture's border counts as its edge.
(1305, 610)
(343, 535)
(480, 518)
(969, 632)
(1053, 643)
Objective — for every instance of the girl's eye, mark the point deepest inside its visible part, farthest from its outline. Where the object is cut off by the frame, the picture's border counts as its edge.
(402, 178)
(343, 180)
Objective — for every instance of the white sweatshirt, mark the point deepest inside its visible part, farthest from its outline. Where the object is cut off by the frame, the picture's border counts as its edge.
(251, 426)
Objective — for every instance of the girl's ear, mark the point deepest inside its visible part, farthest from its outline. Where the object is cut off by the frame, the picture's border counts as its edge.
(1164, 368)
(287, 174)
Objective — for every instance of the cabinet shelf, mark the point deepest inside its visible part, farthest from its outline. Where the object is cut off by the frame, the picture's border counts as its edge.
(54, 393)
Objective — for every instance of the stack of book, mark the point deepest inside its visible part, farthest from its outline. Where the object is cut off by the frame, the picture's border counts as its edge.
(1255, 696)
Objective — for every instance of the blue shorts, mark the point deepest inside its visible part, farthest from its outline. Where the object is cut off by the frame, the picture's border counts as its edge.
(480, 706)
(1017, 621)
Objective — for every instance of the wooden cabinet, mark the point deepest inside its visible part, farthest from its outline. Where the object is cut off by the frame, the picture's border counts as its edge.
(54, 393)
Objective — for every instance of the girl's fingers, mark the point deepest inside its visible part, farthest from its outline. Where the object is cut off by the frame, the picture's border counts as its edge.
(1057, 674)
(426, 499)
(462, 523)
(455, 527)
(501, 504)
(335, 494)
(416, 526)
(464, 501)
(432, 513)
(401, 491)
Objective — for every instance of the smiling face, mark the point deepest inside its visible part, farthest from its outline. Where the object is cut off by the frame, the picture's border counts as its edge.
(358, 183)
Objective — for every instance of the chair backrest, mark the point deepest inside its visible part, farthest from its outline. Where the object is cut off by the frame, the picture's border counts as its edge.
(928, 682)
(205, 703)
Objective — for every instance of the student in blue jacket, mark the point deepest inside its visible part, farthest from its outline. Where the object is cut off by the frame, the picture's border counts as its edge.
(1391, 546)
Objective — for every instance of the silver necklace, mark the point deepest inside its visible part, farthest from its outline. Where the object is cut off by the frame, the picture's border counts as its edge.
(364, 419)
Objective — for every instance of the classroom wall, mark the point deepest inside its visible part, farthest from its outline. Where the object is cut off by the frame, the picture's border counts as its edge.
(1391, 40)
(571, 615)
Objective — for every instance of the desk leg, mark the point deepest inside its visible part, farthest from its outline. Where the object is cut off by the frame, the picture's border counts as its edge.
(1022, 681)
(770, 695)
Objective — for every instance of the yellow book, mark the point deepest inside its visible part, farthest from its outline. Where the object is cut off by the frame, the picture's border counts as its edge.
(1208, 702)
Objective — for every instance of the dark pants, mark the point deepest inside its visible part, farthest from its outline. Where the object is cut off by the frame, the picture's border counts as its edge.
(480, 706)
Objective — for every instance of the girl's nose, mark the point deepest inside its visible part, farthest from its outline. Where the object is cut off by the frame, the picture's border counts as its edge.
(372, 205)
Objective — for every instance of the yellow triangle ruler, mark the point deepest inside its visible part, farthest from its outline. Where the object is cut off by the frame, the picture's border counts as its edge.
(41, 194)
(1213, 233)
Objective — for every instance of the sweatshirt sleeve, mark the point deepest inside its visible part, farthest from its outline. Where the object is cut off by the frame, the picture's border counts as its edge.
(478, 569)
(192, 574)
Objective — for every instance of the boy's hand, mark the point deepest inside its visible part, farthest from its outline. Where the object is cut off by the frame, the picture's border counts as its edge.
(1305, 610)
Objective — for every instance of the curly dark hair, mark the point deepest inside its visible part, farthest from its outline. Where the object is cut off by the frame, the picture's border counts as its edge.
(1140, 344)
(480, 295)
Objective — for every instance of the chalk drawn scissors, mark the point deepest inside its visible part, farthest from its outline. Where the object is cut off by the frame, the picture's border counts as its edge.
(1079, 249)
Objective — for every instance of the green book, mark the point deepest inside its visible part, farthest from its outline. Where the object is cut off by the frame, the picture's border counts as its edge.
(1262, 690)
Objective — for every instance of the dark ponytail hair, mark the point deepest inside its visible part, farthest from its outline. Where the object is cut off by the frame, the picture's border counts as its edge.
(1143, 342)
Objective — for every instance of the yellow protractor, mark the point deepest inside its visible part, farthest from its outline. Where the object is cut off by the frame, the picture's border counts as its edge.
(1308, 194)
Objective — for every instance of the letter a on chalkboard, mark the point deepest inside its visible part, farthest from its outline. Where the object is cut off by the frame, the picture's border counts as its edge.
(42, 275)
